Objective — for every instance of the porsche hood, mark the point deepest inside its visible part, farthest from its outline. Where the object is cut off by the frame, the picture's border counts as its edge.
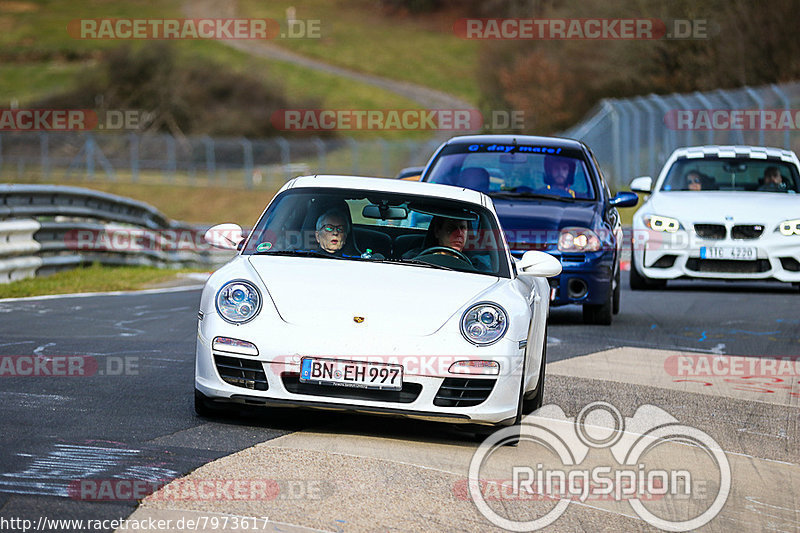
(327, 295)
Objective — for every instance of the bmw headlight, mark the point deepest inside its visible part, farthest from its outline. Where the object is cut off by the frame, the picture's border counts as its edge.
(238, 302)
(484, 323)
(659, 223)
(790, 227)
(578, 240)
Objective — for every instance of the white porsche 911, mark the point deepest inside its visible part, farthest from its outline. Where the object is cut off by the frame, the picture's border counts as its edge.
(719, 212)
(377, 296)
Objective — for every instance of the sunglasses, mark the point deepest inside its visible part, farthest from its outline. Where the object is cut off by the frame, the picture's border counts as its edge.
(694, 180)
(329, 228)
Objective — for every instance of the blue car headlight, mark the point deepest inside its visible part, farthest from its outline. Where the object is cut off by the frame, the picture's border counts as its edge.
(484, 323)
(238, 302)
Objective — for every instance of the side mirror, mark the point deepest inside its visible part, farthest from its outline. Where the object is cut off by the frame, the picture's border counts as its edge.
(624, 199)
(542, 264)
(642, 184)
(226, 236)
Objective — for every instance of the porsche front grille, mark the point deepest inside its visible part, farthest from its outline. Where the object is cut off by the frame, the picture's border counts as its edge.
(244, 373)
(460, 392)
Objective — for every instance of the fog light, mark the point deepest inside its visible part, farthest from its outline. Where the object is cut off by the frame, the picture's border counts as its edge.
(475, 367)
(226, 344)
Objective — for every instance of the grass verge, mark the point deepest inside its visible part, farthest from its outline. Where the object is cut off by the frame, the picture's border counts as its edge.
(94, 278)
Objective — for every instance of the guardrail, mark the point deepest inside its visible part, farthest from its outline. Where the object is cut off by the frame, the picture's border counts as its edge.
(47, 228)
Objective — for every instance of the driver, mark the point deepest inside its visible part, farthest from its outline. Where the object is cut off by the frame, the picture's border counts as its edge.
(450, 233)
(331, 232)
(772, 180)
(559, 175)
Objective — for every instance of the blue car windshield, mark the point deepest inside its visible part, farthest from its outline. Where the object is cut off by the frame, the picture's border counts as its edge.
(514, 170)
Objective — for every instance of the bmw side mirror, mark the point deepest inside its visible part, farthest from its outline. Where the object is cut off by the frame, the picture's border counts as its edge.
(225, 236)
(642, 184)
(624, 199)
(534, 263)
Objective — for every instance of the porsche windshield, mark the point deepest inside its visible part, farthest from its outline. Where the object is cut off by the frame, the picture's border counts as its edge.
(516, 171)
(358, 225)
(728, 174)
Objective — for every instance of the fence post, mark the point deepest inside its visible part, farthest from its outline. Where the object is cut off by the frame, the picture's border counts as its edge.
(724, 95)
(171, 162)
(706, 103)
(134, 140)
(44, 146)
(787, 142)
(354, 156)
(247, 159)
(286, 157)
(211, 163)
(89, 156)
(616, 143)
(665, 143)
(760, 103)
(321, 165)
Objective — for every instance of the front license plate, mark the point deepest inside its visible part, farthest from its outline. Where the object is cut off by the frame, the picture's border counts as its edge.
(360, 374)
(739, 253)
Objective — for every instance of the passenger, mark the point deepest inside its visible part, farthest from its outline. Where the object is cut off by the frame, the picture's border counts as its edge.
(772, 180)
(559, 175)
(331, 232)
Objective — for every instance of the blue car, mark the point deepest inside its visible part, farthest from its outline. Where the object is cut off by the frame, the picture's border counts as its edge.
(551, 196)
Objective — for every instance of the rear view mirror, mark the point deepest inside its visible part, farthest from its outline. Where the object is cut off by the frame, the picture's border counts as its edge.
(384, 212)
(535, 263)
(225, 236)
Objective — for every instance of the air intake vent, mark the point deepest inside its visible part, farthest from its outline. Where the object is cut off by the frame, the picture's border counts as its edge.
(710, 231)
(728, 266)
(747, 231)
(459, 392)
(408, 394)
(244, 373)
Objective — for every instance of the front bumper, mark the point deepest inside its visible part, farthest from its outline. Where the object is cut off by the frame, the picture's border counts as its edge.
(272, 377)
(660, 255)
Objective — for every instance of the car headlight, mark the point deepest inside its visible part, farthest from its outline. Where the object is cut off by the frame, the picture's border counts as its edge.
(578, 240)
(659, 223)
(238, 302)
(790, 227)
(484, 323)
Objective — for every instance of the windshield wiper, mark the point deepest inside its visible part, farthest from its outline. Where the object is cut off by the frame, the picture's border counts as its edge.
(513, 194)
(414, 262)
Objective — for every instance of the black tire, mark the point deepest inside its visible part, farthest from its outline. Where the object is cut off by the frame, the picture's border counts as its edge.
(617, 292)
(600, 314)
(640, 282)
(535, 398)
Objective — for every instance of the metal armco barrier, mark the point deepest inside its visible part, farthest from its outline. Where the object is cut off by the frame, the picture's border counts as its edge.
(47, 228)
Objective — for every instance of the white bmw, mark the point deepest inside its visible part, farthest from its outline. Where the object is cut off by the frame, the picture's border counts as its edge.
(719, 212)
(376, 296)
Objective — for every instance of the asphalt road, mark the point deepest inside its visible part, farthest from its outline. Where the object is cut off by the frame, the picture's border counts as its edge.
(132, 418)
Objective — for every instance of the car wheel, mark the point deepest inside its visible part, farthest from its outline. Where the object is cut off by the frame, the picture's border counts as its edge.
(534, 399)
(600, 314)
(640, 282)
(617, 290)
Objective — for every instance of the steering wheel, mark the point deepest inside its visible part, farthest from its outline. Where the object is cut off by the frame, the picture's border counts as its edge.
(445, 250)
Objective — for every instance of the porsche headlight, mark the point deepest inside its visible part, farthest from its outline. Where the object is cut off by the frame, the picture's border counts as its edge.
(790, 227)
(484, 323)
(659, 223)
(238, 302)
(578, 240)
